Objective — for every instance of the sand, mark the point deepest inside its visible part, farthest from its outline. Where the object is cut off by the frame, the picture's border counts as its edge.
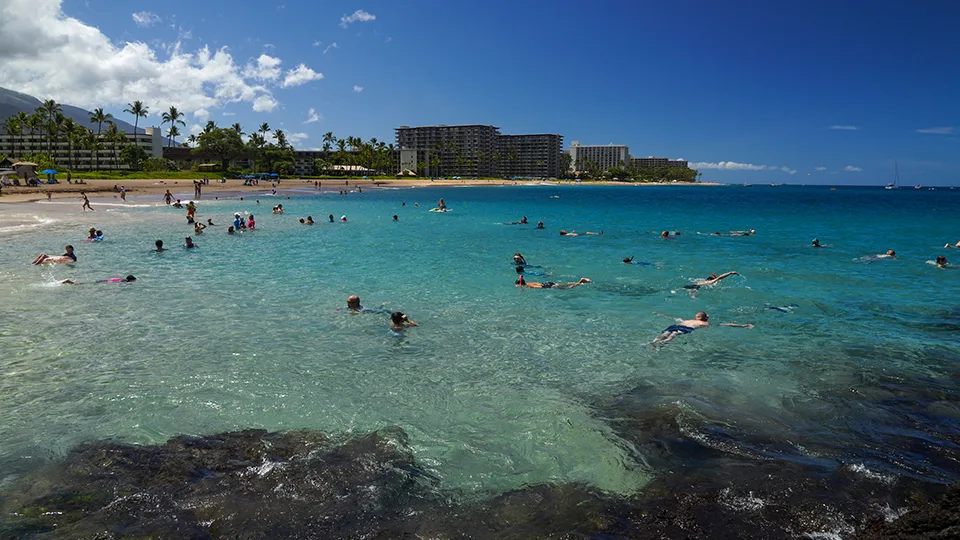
(183, 189)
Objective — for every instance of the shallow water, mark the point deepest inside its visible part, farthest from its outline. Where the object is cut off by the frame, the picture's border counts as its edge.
(499, 387)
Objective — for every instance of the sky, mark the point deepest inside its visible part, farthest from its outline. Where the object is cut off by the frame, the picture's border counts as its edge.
(810, 92)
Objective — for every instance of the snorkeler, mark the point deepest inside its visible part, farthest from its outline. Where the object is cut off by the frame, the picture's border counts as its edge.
(518, 259)
(712, 280)
(127, 279)
(685, 326)
(520, 282)
(629, 260)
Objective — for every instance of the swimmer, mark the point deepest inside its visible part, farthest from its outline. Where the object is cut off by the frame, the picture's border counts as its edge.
(127, 279)
(540, 224)
(519, 260)
(92, 233)
(159, 244)
(198, 228)
(68, 257)
(957, 245)
(210, 222)
(700, 320)
(629, 260)
(177, 204)
(230, 230)
(396, 218)
(399, 320)
(309, 220)
(98, 237)
(816, 243)
(712, 280)
(343, 219)
(330, 218)
(665, 234)
(941, 261)
(188, 243)
(353, 306)
(575, 233)
(251, 224)
(890, 254)
(302, 221)
(520, 282)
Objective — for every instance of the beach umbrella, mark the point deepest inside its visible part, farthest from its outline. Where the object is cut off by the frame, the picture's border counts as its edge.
(272, 175)
(48, 171)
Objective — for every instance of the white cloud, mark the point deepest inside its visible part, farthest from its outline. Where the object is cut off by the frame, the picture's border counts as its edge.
(264, 103)
(312, 116)
(357, 16)
(845, 128)
(144, 19)
(300, 75)
(388, 40)
(267, 68)
(225, 113)
(730, 166)
(201, 114)
(820, 168)
(357, 89)
(788, 170)
(317, 43)
(851, 168)
(269, 46)
(938, 130)
(295, 138)
(331, 46)
(108, 73)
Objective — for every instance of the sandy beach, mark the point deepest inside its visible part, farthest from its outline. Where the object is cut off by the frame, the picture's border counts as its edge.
(183, 189)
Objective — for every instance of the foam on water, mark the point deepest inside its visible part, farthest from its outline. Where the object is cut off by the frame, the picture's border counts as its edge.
(495, 387)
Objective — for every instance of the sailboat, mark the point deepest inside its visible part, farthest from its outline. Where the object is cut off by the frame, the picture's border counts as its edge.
(896, 177)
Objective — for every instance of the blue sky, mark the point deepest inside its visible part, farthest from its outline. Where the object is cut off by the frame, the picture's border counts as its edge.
(750, 90)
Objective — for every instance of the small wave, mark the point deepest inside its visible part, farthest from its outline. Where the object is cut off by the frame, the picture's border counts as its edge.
(862, 470)
(40, 222)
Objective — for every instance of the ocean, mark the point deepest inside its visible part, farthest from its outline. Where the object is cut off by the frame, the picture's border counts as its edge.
(851, 368)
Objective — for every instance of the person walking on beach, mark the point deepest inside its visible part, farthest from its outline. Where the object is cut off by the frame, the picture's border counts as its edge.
(685, 326)
(86, 203)
(123, 193)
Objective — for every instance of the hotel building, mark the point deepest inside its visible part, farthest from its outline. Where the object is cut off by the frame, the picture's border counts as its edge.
(603, 157)
(75, 156)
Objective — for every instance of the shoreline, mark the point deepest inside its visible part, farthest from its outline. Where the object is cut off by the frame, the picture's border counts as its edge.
(100, 189)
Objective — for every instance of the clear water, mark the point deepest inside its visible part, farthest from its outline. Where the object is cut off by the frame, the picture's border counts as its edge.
(497, 386)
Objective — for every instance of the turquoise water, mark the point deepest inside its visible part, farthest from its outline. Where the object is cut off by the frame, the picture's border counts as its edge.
(498, 387)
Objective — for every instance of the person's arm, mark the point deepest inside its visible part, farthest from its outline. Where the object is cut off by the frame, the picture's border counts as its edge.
(735, 325)
(677, 319)
(721, 276)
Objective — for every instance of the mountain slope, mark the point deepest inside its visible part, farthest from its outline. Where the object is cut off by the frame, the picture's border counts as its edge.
(12, 102)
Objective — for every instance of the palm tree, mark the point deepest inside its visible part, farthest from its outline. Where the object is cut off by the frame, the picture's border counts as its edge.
(138, 110)
(236, 127)
(98, 117)
(341, 151)
(264, 129)
(67, 128)
(328, 141)
(281, 138)
(172, 117)
(114, 136)
(92, 143)
(192, 140)
(12, 126)
(23, 122)
(49, 110)
(172, 134)
(211, 125)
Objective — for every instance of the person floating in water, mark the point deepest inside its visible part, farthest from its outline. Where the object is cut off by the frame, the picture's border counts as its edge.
(68, 257)
(520, 282)
(563, 232)
(523, 221)
(396, 218)
(957, 245)
(890, 254)
(941, 261)
(540, 224)
(816, 243)
(685, 326)
(518, 259)
(127, 279)
(309, 220)
(399, 321)
(354, 306)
